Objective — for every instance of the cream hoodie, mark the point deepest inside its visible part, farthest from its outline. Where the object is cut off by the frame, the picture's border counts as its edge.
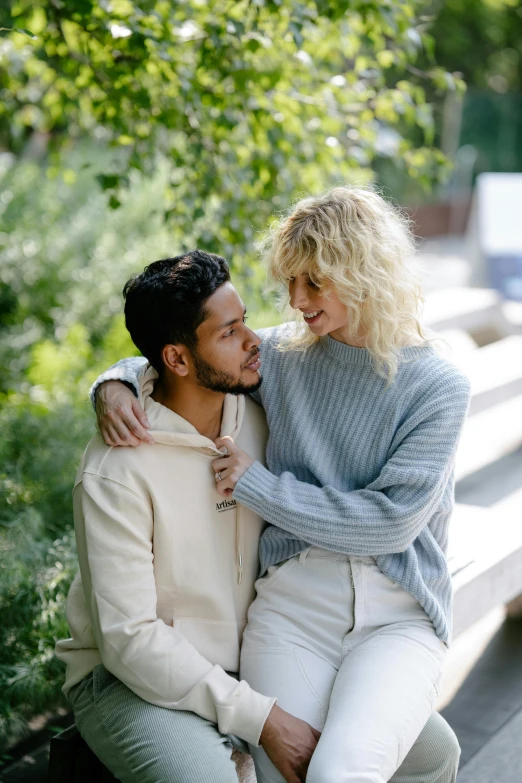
(167, 568)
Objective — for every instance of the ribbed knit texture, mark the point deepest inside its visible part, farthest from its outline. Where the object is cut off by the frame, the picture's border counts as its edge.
(139, 741)
(360, 467)
(355, 465)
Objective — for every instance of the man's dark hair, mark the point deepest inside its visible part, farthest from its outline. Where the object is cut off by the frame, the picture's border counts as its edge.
(165, 304)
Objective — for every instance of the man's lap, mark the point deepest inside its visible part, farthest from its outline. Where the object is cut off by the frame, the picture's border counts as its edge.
(144, 743)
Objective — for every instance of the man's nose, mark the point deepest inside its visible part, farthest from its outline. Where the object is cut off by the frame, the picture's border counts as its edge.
(253, 341)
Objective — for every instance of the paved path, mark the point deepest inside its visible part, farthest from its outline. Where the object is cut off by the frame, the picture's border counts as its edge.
(486, 711)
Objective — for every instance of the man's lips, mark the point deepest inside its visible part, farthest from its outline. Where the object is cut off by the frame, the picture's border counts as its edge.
(254, 364)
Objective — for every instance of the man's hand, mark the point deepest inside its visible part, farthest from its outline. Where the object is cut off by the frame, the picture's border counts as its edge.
(121, 419)
(289, 744)
(229, 468)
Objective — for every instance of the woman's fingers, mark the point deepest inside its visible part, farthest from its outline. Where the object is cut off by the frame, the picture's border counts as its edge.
(134, 418)
(121, 416)
(120, 433)
(117, 421)
(143, 423)
(220, 464)
(226, 444)
(107, 436)
(227, 480)
(110, 436)
(224, 489)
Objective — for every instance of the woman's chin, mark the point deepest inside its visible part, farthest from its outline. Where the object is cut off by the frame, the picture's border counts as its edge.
(318, 329)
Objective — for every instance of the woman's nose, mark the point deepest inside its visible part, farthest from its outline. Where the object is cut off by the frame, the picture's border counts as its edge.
(297, 291)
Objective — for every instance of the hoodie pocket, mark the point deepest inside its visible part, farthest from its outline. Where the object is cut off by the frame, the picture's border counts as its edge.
(215, 640)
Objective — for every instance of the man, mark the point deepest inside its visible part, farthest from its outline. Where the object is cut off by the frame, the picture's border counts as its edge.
(167, 566)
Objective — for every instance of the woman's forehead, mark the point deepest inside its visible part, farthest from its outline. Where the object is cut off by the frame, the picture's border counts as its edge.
(294, 265)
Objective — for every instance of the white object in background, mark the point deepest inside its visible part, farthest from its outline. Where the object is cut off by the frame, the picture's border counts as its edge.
(495, 234)
(500, 213)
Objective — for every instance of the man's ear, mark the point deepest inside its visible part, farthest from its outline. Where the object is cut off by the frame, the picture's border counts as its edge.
(175, 359)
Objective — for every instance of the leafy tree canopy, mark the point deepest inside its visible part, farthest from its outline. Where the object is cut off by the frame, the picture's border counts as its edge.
(250, 101)
(483, 40)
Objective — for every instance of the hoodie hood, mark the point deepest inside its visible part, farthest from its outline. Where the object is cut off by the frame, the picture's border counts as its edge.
(171, 429)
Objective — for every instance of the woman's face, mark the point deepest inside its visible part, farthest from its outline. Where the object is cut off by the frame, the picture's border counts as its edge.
(324, 314)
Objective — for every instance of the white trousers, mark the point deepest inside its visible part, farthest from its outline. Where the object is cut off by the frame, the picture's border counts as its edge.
(349, 651)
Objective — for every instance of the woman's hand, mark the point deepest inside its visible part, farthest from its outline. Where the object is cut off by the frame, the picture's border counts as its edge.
(229, 468)
(121, 419)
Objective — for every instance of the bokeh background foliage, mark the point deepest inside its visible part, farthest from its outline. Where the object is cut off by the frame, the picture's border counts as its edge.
(134, 130)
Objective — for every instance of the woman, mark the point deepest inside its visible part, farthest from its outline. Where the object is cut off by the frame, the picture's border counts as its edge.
(353, 611)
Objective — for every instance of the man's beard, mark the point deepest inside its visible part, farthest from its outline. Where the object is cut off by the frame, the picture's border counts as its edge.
(218, 380)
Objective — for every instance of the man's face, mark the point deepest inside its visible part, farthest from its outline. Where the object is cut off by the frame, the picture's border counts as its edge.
(226, 358)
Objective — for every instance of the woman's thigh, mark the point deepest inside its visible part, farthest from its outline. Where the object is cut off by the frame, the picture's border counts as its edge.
(302, 683)
(143, 743)
(303, 604)
(382, 697)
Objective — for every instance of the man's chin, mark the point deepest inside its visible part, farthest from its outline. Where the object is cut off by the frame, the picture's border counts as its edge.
(246, 388)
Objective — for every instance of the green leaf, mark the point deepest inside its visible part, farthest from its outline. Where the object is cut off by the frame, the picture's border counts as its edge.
(110, 181)
(18, 30)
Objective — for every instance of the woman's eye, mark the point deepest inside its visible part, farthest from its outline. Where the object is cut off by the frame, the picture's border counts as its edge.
(310, 283)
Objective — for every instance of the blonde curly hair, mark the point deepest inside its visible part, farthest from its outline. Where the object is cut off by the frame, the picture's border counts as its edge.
(355, 242)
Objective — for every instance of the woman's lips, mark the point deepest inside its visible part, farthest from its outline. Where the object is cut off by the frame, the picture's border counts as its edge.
(313, 320)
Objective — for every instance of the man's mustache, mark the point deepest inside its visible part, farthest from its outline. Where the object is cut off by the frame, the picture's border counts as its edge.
(251, 357)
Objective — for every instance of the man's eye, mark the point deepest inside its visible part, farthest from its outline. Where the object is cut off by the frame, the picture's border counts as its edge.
(229, 333)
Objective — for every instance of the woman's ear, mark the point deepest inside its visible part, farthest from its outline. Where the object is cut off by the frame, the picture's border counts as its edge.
(175, 359)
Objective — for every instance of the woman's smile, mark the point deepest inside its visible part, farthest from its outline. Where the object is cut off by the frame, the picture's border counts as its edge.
(312, 317)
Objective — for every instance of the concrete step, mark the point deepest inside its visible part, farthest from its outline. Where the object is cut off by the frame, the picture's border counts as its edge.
(489, 435)
(477, 311)
(495, 372)
(485, 558)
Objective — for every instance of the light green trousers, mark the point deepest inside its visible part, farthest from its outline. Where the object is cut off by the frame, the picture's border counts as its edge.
(142, 743)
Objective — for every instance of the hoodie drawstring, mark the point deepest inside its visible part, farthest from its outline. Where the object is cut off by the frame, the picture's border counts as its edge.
(239, 543)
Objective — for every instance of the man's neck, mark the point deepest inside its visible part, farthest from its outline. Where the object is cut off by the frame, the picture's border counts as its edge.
(200, 407)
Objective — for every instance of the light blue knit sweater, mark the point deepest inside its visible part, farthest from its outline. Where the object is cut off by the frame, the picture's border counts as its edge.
(354, 465)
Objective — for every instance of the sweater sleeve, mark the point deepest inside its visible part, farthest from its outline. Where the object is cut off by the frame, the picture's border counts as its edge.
(114, 529)
(127, 371)
(388, 514)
